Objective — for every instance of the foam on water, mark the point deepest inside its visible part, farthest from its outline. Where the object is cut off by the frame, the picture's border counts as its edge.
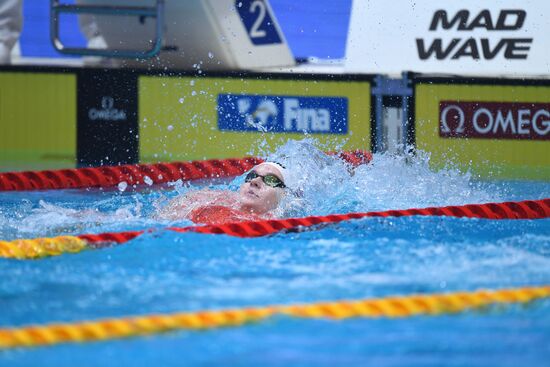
(26, 215)
(329, 185)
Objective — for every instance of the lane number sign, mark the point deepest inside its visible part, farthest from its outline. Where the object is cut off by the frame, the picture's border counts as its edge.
(258, 22)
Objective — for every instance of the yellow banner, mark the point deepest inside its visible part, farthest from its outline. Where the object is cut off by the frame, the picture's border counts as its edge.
(494, 131)
(178, 116)
(37, 121)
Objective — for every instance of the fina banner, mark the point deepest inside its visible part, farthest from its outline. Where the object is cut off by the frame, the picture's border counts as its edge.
(188, 117)
(504, 37)
(283, 114)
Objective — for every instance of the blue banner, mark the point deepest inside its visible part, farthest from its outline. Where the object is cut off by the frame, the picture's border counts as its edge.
(283, 114)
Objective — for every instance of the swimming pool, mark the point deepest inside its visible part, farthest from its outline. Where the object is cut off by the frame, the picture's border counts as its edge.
(164, 271)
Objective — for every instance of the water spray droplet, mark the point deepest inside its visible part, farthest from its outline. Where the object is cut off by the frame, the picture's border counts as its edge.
(122, 186)
(148, 181)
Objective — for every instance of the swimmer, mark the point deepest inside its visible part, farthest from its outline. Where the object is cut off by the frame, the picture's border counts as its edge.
(260, 194)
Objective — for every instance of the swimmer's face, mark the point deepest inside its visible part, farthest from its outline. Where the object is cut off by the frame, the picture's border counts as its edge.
(258, 197)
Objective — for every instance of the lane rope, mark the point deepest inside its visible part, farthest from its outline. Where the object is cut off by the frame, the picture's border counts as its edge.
(43, 247)
(528, 209)
(36, 248)
(389, 307)
(132, 174)
(140, 174)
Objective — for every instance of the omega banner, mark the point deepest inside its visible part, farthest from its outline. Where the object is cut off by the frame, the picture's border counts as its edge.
(504, 37)
(491, 130)
(107, 128)
(494, 120)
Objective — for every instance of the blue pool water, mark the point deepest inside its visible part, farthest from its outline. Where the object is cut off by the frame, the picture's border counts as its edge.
(165, 271)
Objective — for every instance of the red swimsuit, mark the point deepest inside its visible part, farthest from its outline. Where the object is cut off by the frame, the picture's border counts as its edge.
(219, 214)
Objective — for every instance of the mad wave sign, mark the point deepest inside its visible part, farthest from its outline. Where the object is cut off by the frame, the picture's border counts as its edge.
(258, 22)
(470, 45)
(490, 37)
(494, 120)
(283, 114)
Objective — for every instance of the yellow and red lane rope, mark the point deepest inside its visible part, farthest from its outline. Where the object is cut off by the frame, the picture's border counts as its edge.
(52, 246)
(392, 307)
(42, 247)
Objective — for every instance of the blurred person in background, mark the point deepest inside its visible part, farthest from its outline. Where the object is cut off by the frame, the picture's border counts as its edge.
(11, 23)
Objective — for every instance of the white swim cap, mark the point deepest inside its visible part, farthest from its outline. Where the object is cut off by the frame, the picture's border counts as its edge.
(279, 167)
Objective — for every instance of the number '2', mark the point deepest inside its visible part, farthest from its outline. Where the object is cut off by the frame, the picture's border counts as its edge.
(255, 31)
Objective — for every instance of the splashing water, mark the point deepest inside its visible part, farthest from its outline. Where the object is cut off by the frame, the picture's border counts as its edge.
(329, 185)
(52, 213)
(320, 184)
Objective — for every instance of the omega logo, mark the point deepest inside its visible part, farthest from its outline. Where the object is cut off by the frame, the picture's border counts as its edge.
(445, 124)
(107, 102)
(107, 111)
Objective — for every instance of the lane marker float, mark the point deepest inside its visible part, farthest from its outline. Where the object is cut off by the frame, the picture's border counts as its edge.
(132, 174)
(390, 307)
(139, 174)
(43, 247)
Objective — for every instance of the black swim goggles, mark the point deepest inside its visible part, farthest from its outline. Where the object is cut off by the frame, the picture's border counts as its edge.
(269, 180)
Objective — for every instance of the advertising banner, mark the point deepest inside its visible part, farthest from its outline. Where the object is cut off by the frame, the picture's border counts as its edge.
(494, 120)
(107, 132)
(504, 37)
(496, 131)
(185, 117)
(37, 120)
(290, 114)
